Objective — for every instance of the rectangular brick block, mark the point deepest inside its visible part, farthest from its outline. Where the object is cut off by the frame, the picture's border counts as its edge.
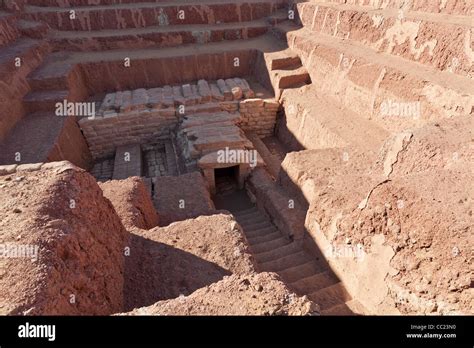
(204, 91)
(139, 99)
(126, 101)
(225, 90)
(155, 98)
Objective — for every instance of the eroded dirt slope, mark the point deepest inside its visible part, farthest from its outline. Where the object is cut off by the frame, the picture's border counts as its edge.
(166, 262)
(254, 294)
(131, 200)
(182, 197)
(79, 239)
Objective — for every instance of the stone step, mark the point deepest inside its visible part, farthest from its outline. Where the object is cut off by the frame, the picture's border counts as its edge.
(155, 36)
(352, 307)
(332, 126)
(253, 226)
(288, 261)
(32, 29)
(283, 60)
(44, 100)
(260, 232)
(278, 253)
(431, 39)
(292, 78)
(21, 57)
(17, 60)
(341, 309)
(255, 241)
(330, 296)
(367, 81)
(122, 16)
(128, 162)
(251, 220)
(249, 215)
(269, 244)
(315, 282)
(51, 75)
(245, 212)
(300, 271)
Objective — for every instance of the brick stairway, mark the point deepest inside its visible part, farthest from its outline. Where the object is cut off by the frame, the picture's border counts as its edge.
(305, 273)
(110, 24)
(156, 36)
(144, 14)
(30, 131)
(408, 57)
(286, 71)
(19, 56)
(150, 33)
(430, 38)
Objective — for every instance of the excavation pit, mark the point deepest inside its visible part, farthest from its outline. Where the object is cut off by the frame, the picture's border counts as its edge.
(349, 199)
(175, 129)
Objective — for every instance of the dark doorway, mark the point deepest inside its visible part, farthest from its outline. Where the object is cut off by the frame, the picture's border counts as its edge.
(226, 180)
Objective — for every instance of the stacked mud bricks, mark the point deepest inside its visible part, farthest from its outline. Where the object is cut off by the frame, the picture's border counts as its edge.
(149, 115)
(258, 115)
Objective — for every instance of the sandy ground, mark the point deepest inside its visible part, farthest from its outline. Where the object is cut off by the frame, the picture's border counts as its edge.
(166, 262)
(254, 294)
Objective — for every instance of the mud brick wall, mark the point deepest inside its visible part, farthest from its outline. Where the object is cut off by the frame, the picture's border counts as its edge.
(105, 134)
(149, 72)
(258, 115)
(142, 116)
